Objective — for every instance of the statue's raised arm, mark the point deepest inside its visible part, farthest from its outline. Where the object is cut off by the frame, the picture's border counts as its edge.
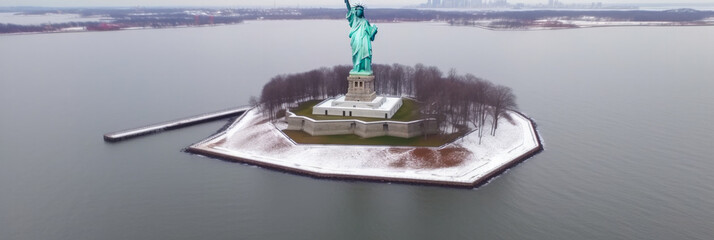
(347, 2)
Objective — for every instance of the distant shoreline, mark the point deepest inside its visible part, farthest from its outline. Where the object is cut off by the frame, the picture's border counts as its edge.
(445, 23)
(564, 25)
(122, 29)
(527, 20)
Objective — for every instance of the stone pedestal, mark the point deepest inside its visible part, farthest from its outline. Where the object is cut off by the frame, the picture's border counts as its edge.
(360, 88)
(360, 101)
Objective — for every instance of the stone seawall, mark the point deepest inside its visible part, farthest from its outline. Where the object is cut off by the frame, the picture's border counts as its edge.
(361, 128)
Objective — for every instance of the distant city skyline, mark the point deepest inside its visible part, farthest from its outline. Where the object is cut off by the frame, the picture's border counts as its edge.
(292, 3)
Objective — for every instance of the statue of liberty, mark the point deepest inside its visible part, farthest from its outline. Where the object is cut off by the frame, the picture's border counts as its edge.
(362, 34)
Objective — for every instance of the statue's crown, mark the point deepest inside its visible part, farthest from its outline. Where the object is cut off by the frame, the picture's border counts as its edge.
(359, 5)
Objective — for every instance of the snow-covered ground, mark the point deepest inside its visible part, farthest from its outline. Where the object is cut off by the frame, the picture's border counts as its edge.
(465, 162)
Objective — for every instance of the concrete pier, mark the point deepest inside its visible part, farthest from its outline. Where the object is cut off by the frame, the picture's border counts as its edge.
(184, 122)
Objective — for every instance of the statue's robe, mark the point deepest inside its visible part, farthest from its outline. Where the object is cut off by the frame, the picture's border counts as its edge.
(361, 35)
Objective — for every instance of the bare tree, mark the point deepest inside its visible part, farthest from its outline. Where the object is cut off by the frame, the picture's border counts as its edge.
(503, 100)
(253, 101)
(481, 91)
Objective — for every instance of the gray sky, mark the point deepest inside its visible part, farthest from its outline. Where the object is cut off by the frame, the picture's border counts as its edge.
(280, 3)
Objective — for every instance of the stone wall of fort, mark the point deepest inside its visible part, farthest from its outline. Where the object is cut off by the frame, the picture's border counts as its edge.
(361, 128)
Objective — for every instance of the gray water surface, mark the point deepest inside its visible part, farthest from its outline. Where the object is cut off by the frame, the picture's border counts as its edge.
(625, 114)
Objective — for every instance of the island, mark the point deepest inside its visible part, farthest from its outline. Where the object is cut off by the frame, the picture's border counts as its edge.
(424, 128)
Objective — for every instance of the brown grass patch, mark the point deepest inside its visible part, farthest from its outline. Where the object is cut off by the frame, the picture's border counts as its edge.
(453, 156)
(400, 163)
(430, 158)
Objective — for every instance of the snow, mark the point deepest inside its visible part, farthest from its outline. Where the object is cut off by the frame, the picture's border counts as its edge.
(255, 138)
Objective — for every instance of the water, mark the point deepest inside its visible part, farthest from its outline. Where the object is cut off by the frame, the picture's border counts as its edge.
(624, 112)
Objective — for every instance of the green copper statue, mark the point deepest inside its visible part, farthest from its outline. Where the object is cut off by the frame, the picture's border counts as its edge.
(362, 34)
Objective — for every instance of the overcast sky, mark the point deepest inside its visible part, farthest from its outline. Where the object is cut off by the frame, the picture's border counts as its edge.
(280, 3)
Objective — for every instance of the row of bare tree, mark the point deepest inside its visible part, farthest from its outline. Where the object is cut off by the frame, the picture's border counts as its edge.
(456, 101)
(283, 90)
